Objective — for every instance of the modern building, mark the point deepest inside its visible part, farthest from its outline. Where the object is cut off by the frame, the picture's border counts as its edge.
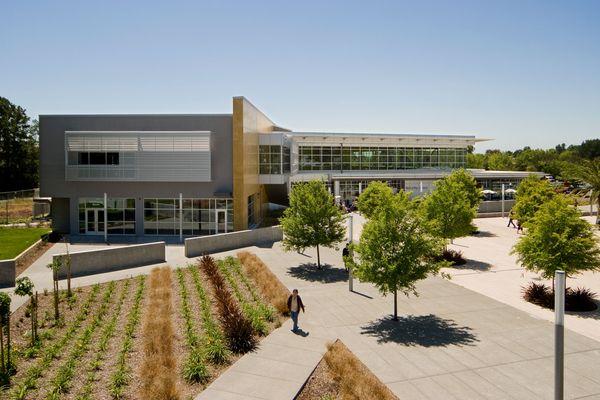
(184, 175)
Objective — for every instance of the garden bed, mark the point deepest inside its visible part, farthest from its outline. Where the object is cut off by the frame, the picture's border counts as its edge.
(105, 342)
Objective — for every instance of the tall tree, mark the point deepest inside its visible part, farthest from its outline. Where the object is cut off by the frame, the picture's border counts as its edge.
(532, 192)
(394, 250)
(468, 183)
(558, 239)
(18, 148)
(312, 219)
(376, 195)
(589, 172)
(450, 209)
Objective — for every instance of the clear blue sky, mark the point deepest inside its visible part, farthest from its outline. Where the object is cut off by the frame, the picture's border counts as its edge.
(522, 72)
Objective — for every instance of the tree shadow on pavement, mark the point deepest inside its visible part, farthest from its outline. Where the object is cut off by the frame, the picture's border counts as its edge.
(327, 274)
(419, 330)
(473, 265)
(483, 234)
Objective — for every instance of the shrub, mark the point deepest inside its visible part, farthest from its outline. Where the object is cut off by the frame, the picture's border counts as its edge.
(269, 285)
(580, 299)
(454, 256)
(237, 328)
(576, 300)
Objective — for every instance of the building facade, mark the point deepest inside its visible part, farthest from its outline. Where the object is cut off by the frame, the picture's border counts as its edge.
(189, 175)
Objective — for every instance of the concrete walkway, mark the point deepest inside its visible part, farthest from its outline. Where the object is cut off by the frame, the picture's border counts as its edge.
(451, 342)
(41, 275)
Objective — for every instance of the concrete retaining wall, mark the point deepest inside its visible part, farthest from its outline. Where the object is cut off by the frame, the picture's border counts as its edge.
(198, 246)
(8, 268)
(495, 206)
(104, 260)
(8, 271)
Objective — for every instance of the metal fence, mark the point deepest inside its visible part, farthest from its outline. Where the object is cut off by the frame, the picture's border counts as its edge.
(22, 206)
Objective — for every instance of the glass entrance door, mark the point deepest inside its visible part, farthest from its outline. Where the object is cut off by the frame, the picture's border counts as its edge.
(221, 221)
(94, 221)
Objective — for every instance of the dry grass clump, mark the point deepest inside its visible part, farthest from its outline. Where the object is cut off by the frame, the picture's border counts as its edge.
(237, 328)
(158, 371)
(270, 286)
(354, 378)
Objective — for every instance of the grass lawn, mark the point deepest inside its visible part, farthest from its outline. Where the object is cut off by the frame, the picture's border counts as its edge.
(14, 240)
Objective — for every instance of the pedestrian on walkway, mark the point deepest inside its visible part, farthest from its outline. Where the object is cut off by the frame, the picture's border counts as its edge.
(294, 303)
(511, 221)
(345, 255)
(519, 227)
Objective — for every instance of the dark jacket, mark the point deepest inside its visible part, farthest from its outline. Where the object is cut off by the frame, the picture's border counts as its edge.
(300, 304)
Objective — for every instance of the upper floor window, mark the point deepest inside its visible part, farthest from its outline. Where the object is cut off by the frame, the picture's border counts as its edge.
(93, 158)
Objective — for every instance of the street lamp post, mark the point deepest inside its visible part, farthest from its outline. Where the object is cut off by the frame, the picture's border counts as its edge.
(559, 334)
(350, 237)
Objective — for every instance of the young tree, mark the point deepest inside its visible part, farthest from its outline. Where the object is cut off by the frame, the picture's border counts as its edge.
(24, 287)
(312, 219)
(589, 172)
(376, 195)
(449, 210)
(5, 362)
(395, 251)
(558, 239)
(532, 192)
(55, 267)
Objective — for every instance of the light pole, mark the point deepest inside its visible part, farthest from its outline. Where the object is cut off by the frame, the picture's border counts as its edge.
(503, 200)
(559, 334)
(350, 237)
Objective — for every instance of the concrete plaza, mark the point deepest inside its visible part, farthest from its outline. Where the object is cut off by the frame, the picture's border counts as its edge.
(467, 338)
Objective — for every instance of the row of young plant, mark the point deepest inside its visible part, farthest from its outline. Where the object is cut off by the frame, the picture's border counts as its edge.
(255, 310)
(120, 378)
(54, 349)
(237, 328)
(194, 369)
(62, 381)
(100, 351)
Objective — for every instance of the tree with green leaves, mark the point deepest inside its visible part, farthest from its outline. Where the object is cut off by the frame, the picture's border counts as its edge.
(5, 361)
(450, 208)
(588, 171)
(558, 239)
(376, 195)
(312, 219)
(469, 186)
(24, 287)
(395, 250)
(19, 148)
(532, 193)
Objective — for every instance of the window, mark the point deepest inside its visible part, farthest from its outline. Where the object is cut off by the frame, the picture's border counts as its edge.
(251, 215)
(162, 216)
(120, 215)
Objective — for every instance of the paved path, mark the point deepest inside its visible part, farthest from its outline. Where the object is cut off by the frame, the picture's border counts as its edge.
(451, 342)
(492, 271)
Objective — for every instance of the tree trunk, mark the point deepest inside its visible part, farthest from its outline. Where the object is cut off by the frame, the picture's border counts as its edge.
(32, 311)
(395, 305)
(2, 348)
(8, 362)
(318, 258)
(56, 315)
(36, 315)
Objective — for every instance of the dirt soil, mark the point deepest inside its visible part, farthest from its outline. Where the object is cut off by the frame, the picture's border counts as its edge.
(320, 384)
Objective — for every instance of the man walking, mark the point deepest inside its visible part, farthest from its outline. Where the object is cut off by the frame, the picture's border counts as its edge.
(294, 304)
(345, 255)
(511, 215)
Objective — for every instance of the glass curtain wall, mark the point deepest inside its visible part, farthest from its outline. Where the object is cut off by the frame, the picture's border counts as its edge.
(161, 216)
(348, 158)
(273, 159)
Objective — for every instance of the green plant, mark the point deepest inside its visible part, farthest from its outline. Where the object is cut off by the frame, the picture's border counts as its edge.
(195, 367)
(238, 329)
(213, 341)
(53, 350)
(120, 376)
(312, 219)
(376, 195)
(266, 310)
(24, 287)
(395, 251)
(532, 193)
(65, 373)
